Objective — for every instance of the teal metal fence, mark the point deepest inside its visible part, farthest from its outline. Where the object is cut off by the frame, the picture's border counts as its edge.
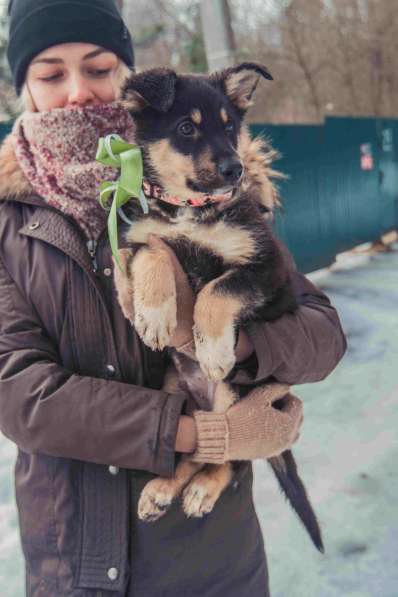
(5, 128)
(342, 186)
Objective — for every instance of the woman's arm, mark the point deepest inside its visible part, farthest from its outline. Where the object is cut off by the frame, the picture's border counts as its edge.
(47, 409)
(297, 348)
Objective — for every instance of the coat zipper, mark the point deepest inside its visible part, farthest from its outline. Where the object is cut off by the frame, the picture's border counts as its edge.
(92, 250)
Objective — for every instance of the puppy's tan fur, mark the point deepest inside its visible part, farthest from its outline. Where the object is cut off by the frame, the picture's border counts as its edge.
(173, 167)
(235, 245)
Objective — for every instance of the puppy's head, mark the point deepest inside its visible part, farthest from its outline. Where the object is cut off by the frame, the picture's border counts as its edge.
(189, 126)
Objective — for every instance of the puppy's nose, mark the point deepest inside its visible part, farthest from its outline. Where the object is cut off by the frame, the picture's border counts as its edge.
(231, 169)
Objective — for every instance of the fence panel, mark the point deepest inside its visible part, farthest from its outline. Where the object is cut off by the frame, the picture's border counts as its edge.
(388, 177)
(342, 187)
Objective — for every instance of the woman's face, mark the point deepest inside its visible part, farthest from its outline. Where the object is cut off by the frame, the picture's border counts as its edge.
(72, 75)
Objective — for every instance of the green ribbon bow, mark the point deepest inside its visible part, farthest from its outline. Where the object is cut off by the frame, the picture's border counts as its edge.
(114, 151)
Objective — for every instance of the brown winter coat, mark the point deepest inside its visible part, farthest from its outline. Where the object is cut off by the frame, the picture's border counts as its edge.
(79, 395)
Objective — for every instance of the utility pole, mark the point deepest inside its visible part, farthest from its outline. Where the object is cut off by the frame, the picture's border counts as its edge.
(217, 33)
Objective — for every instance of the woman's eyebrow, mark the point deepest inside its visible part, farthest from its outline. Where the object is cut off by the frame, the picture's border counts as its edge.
(92, 54)
(47, 61)
(95, 53)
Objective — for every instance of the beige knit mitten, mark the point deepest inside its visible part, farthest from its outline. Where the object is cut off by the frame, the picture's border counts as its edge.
(252, 428)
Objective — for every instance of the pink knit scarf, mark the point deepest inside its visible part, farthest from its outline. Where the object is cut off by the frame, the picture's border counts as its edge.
(56, 151)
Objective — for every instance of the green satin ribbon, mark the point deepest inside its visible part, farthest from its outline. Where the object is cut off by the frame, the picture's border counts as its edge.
(114, 151)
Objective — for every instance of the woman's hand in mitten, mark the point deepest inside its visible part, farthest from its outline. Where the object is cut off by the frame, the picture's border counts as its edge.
(254, 427)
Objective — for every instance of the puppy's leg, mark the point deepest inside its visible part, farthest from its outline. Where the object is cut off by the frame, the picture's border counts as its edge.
(215, 315)
(205, 488)
(154, 293)
(124, 283)
(203, 491)
(158, 495)
(220, 307)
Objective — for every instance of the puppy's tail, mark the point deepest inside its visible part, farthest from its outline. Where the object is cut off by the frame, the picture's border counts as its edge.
(285, 469)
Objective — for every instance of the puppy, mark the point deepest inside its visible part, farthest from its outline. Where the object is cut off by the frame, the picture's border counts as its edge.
(209, 191)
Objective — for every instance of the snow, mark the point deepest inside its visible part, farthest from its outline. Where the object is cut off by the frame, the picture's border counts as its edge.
(346, 455)
(347, 451)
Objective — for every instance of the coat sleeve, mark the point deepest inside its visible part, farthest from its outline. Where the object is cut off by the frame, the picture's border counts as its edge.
(47, 409)
(297, 348)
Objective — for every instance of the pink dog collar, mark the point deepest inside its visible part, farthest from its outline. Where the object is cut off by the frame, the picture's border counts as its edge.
(155, 192)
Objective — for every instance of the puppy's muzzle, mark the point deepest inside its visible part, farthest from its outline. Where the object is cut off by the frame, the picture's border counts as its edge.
(231, 170)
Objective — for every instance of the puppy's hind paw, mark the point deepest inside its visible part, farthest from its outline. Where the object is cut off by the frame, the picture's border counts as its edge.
(156, 498)
(199, 498)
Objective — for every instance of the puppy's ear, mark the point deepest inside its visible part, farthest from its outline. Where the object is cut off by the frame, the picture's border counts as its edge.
(239, 82)
(154, 88)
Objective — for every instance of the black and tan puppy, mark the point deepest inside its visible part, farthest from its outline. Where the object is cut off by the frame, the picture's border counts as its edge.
(189, 130)
(208, 191)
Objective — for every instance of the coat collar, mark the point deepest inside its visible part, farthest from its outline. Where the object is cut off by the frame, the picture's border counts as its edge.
(52, 227)
(46, 223)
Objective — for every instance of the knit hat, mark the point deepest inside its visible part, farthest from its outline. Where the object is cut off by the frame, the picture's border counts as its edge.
(36, 25)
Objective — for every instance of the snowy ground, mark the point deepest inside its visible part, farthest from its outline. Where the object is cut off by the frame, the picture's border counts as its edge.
(346, 456)
(348, 450)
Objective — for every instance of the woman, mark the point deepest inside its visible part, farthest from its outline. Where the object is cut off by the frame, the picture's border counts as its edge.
(79, 393)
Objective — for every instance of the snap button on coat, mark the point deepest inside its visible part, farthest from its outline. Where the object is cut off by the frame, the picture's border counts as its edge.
(113, 573)
(113, 470)
(34, 225)
(110, 369)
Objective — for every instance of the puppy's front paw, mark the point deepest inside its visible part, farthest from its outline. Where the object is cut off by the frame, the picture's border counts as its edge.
(156, 499)
(156, 325)
(216, 355)
(215, 315)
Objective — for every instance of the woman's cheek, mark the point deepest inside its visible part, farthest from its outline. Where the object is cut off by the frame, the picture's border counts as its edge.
(107, 90)
(44, 98)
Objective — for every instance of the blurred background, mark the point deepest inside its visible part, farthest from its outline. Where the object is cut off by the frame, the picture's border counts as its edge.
(332, 113)
(328, 57)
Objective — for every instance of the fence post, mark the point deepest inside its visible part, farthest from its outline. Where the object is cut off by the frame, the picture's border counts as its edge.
(217, 33)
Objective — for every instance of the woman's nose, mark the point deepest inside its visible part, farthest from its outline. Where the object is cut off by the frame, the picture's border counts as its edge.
(80, 92)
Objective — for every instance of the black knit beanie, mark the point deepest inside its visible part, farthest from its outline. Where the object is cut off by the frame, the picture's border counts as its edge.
(36, 25)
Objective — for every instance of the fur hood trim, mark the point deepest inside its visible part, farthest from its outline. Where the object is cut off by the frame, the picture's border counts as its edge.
(13, 182)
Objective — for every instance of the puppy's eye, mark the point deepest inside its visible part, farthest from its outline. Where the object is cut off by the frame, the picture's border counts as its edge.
(186, 128)
(229, 127)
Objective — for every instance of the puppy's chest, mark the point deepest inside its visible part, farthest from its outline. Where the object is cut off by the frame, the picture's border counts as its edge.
(230, 243)
(205, 249)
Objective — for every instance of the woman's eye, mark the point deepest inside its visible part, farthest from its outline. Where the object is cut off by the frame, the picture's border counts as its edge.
(186, 128)
(229, 127)
(100, 72)
(50, 78)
